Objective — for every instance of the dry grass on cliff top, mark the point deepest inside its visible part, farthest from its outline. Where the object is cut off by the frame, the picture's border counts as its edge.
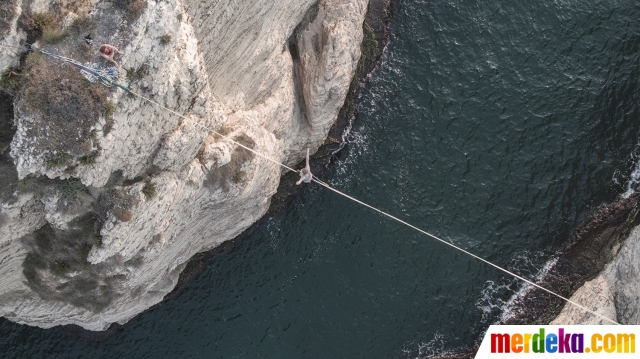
(68, 103)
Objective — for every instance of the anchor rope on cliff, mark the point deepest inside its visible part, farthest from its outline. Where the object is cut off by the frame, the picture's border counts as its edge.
(109, 81)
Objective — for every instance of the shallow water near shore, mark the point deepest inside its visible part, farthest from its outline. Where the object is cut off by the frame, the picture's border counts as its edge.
(496, 125)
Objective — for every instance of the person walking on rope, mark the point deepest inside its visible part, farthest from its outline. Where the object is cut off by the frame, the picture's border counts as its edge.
(108, 52)
(305, 174)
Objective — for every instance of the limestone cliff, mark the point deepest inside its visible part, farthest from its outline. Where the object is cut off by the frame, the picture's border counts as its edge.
(108, 196)
(614, 293)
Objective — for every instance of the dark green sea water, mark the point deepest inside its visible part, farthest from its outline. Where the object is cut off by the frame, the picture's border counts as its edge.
(498, 125)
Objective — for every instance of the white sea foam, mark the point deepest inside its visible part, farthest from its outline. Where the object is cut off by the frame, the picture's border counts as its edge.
(490, 301)
(524, 289)
(274, 231)
(434, 346)
(357, 138)
(634, 180)
(634, 177)
(358, 145)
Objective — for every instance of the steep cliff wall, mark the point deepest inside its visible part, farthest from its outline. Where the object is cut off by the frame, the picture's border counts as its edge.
(106, 205)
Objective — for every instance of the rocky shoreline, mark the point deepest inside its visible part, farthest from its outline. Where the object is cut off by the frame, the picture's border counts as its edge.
(592, 248)
(376, 38)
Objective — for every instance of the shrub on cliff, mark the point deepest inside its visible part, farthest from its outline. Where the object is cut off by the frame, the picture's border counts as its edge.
(60, 268)
(53, 35)
(34, 23)
(139, 73)
(122, 215)
(89, 158)
(10, 81)
(70, 189)
(239, 177)
(149, 190)
(7, 128)
(133, 8)
(109, 110)
(116, 201)
(42, 25)
(165, 39)
(35, 184)
(60, 159)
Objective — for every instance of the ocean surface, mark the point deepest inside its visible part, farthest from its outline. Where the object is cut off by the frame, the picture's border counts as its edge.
(497, 125)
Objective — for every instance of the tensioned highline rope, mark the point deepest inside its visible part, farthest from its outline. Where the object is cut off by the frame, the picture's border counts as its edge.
(323, 184)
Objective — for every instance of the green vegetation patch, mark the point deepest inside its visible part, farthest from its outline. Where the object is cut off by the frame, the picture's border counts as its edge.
(7, 126)
(96, 239)
(123, 215)
(165, 39)
(82, 25)
(32, 183)
(8, 179)
(41, 20)
(109, 109)
(59, 267)
(239, 177)
(28, 183)
(71, 170)
(369, 42)
(139, 73)
(330, 140)
(149, 189)
(60, 159)
(89, 158)
(369, 50)
(71, 189)
(10, 81)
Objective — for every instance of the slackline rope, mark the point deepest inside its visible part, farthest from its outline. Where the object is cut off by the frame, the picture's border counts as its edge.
(323, 184)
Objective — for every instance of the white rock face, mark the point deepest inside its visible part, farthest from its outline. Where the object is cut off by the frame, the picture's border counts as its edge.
(615, 293)
(227, 67)
(11, 39)
(323, 61)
